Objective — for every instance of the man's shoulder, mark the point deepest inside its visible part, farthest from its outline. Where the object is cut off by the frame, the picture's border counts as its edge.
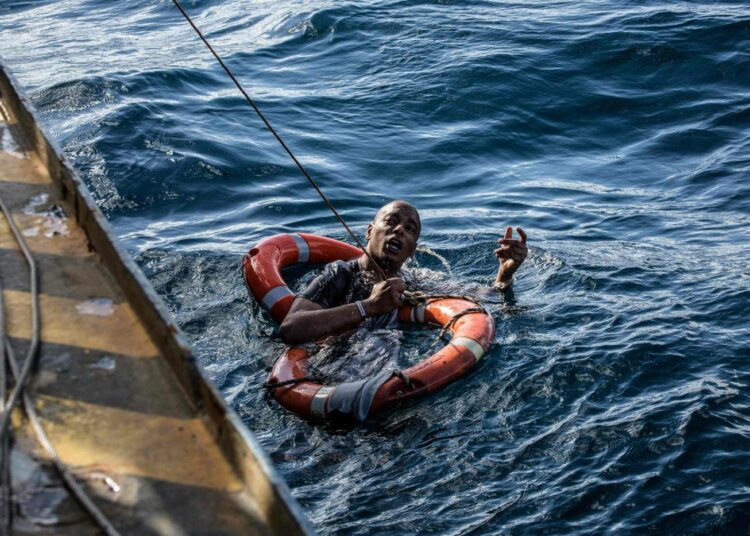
(329, 288)
(341, 267)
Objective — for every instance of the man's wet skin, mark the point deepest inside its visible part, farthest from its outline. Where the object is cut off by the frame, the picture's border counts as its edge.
(391, 241)
(392, 236)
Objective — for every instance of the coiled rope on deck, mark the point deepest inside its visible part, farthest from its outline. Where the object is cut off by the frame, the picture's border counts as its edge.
(21, 377)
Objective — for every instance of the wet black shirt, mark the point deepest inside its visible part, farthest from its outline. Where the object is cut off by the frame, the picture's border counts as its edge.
(344, 282)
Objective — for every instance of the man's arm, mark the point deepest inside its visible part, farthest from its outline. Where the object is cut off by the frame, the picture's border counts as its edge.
(308, 321)
(511, 254)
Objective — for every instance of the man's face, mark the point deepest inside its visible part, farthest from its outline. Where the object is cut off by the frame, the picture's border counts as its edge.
(393, 234)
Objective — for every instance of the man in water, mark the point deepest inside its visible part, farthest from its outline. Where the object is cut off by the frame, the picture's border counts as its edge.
(349, 293)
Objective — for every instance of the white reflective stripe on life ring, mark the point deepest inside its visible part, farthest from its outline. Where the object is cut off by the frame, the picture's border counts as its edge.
(417, 313)
(274, 295)
(471, 344)
(303, 250)
(318, 405)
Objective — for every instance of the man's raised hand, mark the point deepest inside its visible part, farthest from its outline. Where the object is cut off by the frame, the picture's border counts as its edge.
(511, 254)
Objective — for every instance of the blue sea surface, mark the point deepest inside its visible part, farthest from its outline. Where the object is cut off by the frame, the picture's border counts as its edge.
(617, 133)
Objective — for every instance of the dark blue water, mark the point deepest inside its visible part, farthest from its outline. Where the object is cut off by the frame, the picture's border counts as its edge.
(616, 132)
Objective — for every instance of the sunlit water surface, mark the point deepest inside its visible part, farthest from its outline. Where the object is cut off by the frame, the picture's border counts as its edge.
(615, 399)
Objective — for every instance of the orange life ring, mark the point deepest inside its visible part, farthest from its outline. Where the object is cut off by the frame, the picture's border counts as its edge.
(262, 266)
(472, 330)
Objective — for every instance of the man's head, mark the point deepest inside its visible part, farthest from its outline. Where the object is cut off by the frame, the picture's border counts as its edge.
(392, 235)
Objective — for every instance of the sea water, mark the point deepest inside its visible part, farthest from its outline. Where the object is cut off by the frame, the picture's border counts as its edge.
(617, 133)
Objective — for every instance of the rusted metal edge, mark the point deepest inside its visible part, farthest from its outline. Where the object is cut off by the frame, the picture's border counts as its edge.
(246, 456)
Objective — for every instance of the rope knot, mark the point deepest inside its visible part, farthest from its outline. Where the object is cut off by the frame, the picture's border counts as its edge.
(404, 377)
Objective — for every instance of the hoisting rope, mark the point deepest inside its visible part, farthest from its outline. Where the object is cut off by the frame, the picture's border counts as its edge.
(279, 139)
(21, 376)
(408, 297)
